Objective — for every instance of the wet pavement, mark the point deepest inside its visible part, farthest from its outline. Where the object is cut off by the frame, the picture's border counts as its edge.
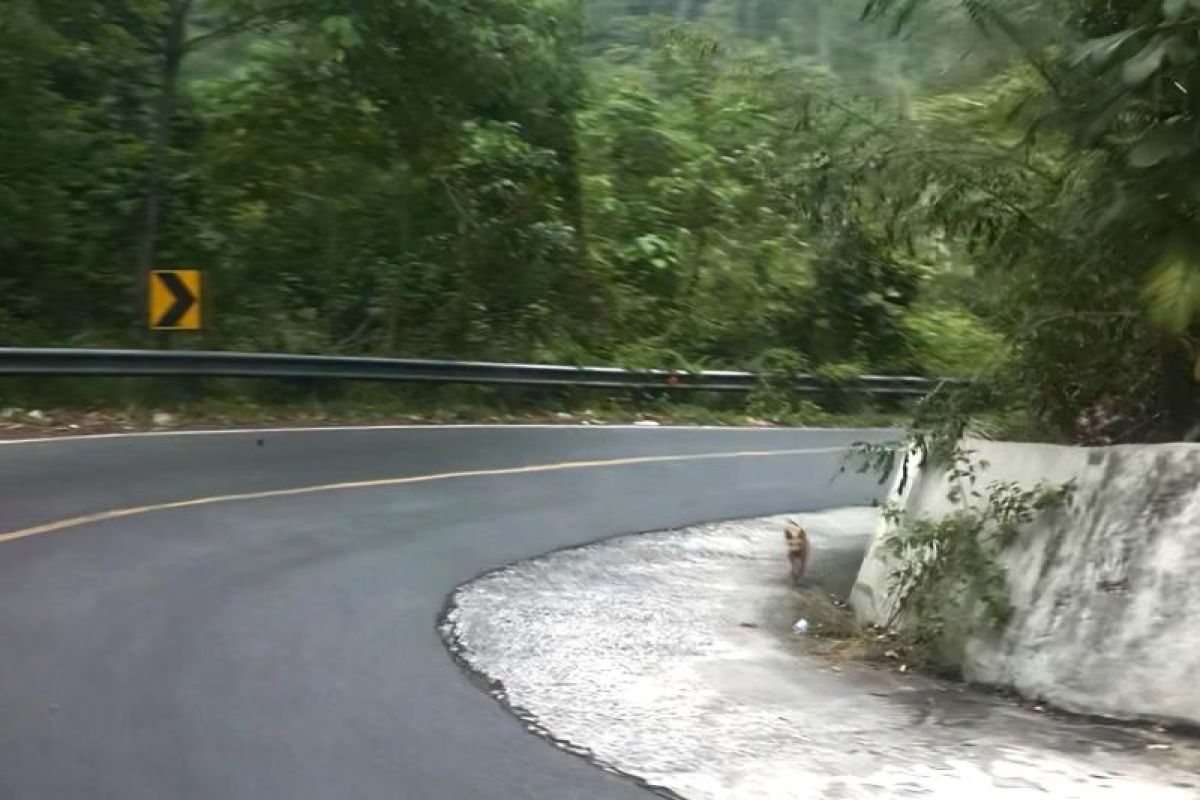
(670, 656)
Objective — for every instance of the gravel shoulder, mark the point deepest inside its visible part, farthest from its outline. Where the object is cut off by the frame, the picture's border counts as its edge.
(670, 657)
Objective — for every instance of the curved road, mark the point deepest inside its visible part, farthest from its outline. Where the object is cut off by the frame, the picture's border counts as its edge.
(252, 614)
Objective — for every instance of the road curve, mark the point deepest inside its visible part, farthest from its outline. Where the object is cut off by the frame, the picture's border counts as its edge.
(252, 614)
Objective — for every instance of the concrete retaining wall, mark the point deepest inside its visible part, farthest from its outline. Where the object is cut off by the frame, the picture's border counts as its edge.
(1107, 592)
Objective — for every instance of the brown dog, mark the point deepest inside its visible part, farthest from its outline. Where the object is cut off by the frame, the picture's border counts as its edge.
(797, 547)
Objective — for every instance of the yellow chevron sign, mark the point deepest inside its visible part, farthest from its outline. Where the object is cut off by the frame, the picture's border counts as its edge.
(176, 299)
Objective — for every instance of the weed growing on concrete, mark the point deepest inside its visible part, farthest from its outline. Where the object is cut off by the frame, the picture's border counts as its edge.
(949, 570)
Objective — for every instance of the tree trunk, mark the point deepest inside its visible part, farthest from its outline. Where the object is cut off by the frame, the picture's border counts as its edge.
(749, 25)
(821, 47)
(1178, 388)
(402, 246)
(164, 112)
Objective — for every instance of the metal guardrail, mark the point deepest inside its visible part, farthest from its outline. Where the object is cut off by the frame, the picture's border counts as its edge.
(133, 363)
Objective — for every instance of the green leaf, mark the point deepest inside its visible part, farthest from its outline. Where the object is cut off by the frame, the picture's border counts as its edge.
(1173, 292)
(1137, 70)
(1101, 51)
(1160, 143)
(1173, 9)
(1179, 51)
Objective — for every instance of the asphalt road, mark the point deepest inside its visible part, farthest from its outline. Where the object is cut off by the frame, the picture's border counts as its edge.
(281, 643)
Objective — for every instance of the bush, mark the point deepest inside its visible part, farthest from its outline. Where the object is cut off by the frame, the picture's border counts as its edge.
(953, 343)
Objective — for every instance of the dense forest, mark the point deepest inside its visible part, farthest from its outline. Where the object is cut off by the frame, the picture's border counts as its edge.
(1003, 191)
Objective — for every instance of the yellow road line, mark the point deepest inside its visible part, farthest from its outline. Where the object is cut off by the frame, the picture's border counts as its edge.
(121, 513)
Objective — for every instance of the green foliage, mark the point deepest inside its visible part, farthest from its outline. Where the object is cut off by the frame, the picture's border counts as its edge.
(1173, 292)
(775, 397)
(858, 302)
(1093, 214)
(717, 183)
(951, 568)
(953, 343)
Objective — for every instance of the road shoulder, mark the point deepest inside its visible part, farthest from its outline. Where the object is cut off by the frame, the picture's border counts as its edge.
(670, 657)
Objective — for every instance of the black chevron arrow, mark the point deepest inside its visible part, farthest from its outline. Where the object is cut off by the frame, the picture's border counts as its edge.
(184, 300)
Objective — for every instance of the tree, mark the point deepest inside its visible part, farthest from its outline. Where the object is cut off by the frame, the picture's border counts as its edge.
(171, 34)
(1113, 237)
(699, 183)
